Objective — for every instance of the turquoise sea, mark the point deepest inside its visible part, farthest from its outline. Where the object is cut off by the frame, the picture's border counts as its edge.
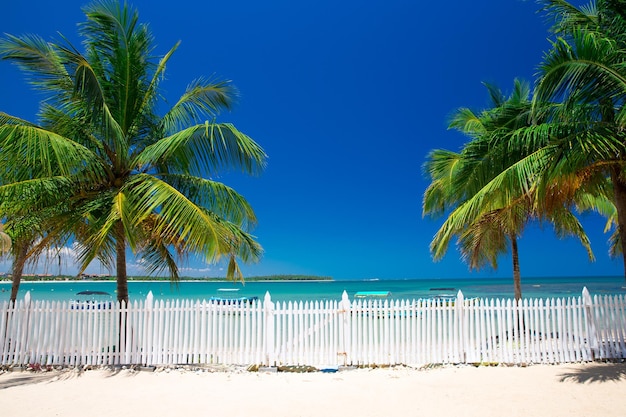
(328, 290)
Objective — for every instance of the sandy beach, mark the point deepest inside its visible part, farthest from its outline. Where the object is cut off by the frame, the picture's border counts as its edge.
(590, 389)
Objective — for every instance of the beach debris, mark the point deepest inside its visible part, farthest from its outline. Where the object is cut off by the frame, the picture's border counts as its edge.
(297, 368)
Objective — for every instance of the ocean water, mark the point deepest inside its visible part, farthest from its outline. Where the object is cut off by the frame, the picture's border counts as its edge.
(410, 289)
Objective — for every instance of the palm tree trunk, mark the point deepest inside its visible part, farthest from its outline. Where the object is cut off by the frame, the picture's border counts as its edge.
(619, 191)
(122, 278)
(122, 281)
(20, 250)
(517, 278)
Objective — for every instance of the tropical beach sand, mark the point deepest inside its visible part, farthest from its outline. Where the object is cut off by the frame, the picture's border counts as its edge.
(589, 389)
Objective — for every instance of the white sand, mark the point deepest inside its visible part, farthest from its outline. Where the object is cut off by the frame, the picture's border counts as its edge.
(591, 389)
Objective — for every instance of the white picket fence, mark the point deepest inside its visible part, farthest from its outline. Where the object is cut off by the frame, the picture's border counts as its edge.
(320, 334)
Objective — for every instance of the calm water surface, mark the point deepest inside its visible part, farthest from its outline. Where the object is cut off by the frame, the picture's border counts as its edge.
(328, 290)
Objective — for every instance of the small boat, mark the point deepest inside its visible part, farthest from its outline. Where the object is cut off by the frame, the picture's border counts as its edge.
(445, 299)
(99, 300)
(93, 293)
(233, 301)
(90, 305)
(372, 294)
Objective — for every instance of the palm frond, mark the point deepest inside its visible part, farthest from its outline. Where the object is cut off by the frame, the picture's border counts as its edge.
(50, 153)
(5, 241)
(220, 199)
(568, 16)
(584, 69)
(7, 119)
(72, 124)
(233, 273)
(179, 216)
(202, 100)
(483, 241)
(442, 167)
(615, 245)
(40, 59)
(242, 244)
(151, 92)
(567, 224)
(29, 195)
(89, 86)
(466, 121)
(157, 258)
(203, 149)
(98, 237)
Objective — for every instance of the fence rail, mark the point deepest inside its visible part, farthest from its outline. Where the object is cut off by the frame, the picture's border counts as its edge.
(328, 333)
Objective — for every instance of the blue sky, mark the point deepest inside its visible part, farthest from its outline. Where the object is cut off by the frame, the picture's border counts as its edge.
(347, 98)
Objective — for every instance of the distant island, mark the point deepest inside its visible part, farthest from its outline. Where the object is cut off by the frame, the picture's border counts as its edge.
(101, 277)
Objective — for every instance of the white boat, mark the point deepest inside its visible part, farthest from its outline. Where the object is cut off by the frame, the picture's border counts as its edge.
(372, 294)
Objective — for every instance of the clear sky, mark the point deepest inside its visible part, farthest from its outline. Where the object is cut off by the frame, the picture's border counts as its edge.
(347, 98)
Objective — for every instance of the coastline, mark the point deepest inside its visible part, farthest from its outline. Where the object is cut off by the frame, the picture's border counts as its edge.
(94, 281)
(573, 390)
(109, 278)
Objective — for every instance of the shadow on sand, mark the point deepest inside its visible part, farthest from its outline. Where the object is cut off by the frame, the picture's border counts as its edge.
(596, 372)
(15, 379)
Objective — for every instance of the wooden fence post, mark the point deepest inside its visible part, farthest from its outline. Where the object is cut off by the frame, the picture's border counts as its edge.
(591, 324)
(148, 325)
(459, 330)
(4, 328)
(26, 328)
(268, 310)
(344, 309)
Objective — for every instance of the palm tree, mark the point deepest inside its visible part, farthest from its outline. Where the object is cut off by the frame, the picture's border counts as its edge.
(584, 71)
(20, 257)
(487, 188)
(5, 241)
(25, 232)
(111, 172)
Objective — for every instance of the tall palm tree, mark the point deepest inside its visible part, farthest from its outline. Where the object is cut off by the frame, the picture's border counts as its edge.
(489, 193)
(584, 71)
(115, 173)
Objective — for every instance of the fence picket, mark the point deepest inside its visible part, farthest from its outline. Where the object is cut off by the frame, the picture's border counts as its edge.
(620, 324)
(362, 332)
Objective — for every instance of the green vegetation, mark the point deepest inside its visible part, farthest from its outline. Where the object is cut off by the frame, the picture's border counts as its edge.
(102, 169)
(541, 157)
(283, 278)
(155, 278)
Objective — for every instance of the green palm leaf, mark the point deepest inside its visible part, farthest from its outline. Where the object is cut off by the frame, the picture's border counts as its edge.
(203, 149)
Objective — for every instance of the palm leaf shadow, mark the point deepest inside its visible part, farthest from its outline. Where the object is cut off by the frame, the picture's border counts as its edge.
(26, 379)
(35, 377)
(604, 372)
